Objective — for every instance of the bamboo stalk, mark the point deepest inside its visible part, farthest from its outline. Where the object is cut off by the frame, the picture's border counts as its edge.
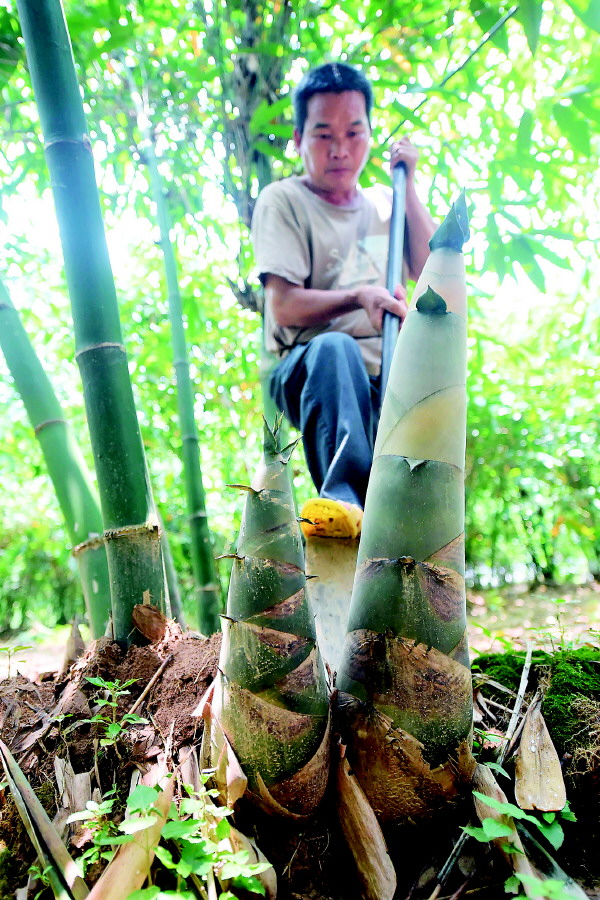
(66, 467)
(175, 608)
(208, 589)
(131, 526)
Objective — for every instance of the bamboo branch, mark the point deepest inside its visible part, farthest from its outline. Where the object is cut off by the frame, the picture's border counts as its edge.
(151, 684)
(486, 37)
(514, 719)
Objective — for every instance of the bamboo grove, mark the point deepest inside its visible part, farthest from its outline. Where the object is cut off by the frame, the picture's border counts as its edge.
(401, 703)
(131, 527)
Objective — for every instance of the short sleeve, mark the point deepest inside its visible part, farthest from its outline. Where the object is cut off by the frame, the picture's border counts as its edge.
(281, 242)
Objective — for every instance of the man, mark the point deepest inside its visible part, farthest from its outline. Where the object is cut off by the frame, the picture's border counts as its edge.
(321, 247)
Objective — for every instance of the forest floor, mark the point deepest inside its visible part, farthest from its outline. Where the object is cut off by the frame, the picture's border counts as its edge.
(312, 860)
(500, 619)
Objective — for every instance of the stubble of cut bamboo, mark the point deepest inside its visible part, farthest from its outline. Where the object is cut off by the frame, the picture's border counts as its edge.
(207, 586)
(130, 522)
(404, 696)
(76, 496)
(271, 696)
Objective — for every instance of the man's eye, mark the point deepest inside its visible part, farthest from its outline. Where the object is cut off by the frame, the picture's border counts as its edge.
(325, 137)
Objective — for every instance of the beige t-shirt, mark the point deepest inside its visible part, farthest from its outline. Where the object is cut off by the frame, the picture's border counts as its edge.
(309, 242)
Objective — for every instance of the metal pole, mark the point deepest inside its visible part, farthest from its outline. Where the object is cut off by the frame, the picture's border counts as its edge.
(391, 323)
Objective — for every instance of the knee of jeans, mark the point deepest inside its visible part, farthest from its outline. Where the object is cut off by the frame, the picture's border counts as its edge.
(333, 342)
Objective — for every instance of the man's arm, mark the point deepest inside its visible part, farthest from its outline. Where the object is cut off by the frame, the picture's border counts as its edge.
(419, 224)
(299, 307)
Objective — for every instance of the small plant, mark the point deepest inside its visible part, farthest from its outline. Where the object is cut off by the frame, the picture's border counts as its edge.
(197, 832)
(104, 832)
(12, 651)
(42, 877)
(550, 888)
(111, 727)
(481, 737)
(549, 824)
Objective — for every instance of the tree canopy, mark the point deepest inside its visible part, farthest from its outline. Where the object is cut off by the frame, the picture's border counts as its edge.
(509, 112)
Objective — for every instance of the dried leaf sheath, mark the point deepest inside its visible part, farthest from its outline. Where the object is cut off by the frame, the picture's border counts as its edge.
(271, 696)
(404, 683)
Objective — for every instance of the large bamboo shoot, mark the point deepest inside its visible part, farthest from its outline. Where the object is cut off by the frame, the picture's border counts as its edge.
(404, 696)
(271, 695)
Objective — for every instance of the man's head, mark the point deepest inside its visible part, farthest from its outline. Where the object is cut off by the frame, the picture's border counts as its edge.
(333, 131)
(330, 78)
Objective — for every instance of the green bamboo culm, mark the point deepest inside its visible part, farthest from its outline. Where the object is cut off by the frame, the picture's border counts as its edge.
(404, 686)
(271, 695)
(131, 527)
(208, 588)
(173, 586)
(66, 467)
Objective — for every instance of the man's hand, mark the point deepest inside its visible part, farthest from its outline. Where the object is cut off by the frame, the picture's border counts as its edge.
(403, 151)
(298, 307)
(375, 300)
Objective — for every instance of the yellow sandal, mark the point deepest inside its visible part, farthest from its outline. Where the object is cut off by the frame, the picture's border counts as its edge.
(330, 518)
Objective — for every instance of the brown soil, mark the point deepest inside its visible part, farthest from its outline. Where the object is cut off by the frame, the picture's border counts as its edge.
(311, 859)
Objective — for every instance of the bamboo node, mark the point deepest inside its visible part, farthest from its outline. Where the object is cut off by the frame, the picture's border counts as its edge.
(48, 422)
(93, 542)
(104, 345)
(127, 531)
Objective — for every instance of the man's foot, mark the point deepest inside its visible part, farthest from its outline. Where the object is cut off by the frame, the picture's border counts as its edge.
(323, 517)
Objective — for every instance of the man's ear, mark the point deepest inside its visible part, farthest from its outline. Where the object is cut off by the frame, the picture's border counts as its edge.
(297, 139)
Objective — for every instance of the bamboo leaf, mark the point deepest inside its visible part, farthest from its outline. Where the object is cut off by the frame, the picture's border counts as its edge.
(573, 126)
(530, 15)
(521, 251)
(269, 150)
(541, 249)
(266, 113)
(486, 17)
(588, 11)
(407, 114)
(525, 132)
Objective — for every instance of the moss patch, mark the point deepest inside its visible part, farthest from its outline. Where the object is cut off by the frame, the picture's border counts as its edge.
(575, 675)
(571, 683)
(13, 873)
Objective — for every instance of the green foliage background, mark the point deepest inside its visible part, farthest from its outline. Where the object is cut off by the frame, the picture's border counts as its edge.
(517, 126)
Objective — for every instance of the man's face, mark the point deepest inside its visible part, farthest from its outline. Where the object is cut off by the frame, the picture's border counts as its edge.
(334, 145)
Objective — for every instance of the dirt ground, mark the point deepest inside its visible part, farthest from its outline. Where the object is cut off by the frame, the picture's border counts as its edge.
(311, 860)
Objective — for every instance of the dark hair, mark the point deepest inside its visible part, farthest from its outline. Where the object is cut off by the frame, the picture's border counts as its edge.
(330, 78)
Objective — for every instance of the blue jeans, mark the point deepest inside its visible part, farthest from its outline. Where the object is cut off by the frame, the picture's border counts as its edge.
(326, 392)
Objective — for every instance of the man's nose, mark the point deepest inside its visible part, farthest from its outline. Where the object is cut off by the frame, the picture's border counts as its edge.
(339, 147)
